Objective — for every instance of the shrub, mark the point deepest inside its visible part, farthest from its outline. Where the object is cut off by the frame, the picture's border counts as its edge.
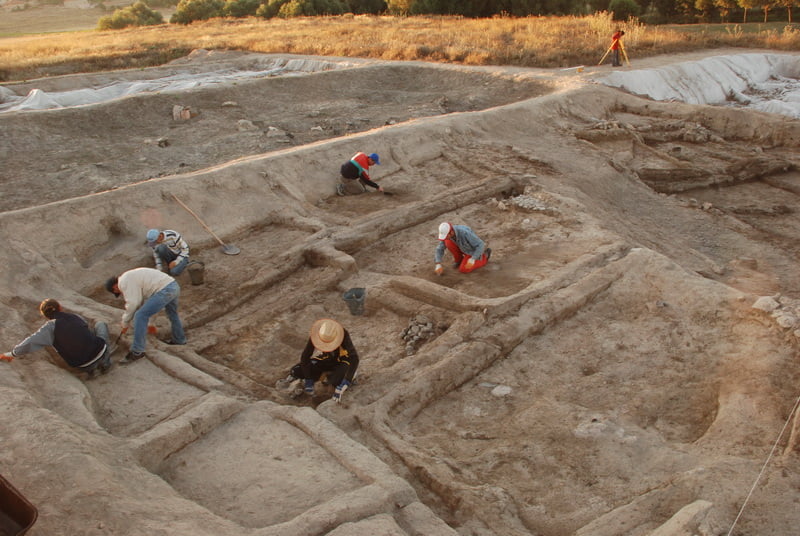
(162, 3)
(301, 8)
(240, 8)
(138, 14)
(192, 10)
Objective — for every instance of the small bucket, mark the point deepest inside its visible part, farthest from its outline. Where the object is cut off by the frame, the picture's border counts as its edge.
(17, 514)
(355, 298)
(196, 271)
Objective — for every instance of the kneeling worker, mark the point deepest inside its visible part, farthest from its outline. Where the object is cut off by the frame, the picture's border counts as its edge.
(469, 251)
(338, 358)
(78, 345)
(168, 249)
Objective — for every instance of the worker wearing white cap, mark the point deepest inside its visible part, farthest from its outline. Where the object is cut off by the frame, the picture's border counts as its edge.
(169, 249)
(469, 251)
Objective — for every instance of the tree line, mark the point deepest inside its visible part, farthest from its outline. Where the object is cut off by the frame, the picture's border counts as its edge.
(648, 11)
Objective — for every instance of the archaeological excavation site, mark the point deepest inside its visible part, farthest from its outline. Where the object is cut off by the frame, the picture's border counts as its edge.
(626, 363)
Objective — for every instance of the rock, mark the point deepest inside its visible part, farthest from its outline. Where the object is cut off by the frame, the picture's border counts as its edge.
(786, 321)
(182, 113)
(501, 390)
(766, 303)
(245, 125)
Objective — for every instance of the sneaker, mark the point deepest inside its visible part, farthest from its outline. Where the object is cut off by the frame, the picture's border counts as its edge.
(488, 254)
(285, 382)
(132, 356)
(173, 343)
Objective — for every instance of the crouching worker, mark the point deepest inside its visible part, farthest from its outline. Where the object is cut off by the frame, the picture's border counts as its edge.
(338, 358)
(170, 251)
(469, 252)
(355, 175)
(80, 347)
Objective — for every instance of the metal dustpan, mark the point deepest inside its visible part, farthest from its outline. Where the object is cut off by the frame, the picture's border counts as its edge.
(230, 249)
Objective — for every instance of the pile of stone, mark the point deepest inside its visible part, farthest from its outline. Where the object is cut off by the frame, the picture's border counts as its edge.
(785, 311)
(420, 330)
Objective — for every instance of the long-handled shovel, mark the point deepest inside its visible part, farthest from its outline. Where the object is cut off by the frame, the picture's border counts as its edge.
(228, 249)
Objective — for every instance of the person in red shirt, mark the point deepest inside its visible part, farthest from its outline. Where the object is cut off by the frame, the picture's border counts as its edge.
(615, 47)
(355, 175)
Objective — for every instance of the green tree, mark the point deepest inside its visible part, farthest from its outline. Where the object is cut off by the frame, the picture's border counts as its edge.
(399, 7)
(788, 4)
(300, 8)
(138, 14)
(748, 4)
(191, 10)
(240, 8)
(624, 9)
(706, 9)
(366, 6)
(725, 7)
(765, 5)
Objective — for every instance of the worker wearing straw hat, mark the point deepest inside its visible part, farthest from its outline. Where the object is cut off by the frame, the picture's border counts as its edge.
(337, 357)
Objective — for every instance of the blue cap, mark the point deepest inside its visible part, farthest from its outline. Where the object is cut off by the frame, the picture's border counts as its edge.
(152, 236)
(374, 156)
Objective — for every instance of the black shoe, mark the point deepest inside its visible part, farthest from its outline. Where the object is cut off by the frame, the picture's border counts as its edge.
(130, 357)
(105, 366)
(173, 343)
(488, 254)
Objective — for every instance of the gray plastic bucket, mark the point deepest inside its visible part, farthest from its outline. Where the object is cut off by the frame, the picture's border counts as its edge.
(355, 298)
(196, 271)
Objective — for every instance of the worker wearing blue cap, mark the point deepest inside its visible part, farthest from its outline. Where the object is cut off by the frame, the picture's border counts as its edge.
(169, 249)
(355, 174)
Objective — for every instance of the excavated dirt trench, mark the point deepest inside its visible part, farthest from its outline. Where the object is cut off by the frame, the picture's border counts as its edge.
(605, 373)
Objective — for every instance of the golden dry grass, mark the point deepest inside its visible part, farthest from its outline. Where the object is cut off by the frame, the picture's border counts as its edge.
(546, 42)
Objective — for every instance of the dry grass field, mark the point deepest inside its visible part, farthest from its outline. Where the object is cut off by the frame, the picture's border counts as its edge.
(527, 42)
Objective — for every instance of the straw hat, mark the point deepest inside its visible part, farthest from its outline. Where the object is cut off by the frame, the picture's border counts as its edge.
(326, 335)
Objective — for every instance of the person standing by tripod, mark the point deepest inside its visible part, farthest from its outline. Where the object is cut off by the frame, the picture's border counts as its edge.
(616, 46)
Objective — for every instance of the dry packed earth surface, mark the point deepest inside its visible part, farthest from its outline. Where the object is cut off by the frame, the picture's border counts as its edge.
(606, 373)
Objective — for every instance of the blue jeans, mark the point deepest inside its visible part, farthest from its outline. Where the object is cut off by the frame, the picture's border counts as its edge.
(166, 299)
(167, 256)
(101, 330)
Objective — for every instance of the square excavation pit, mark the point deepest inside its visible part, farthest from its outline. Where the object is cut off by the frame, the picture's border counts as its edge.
(526, 247)
(620, 397)
(257, 470)
(120, 407)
